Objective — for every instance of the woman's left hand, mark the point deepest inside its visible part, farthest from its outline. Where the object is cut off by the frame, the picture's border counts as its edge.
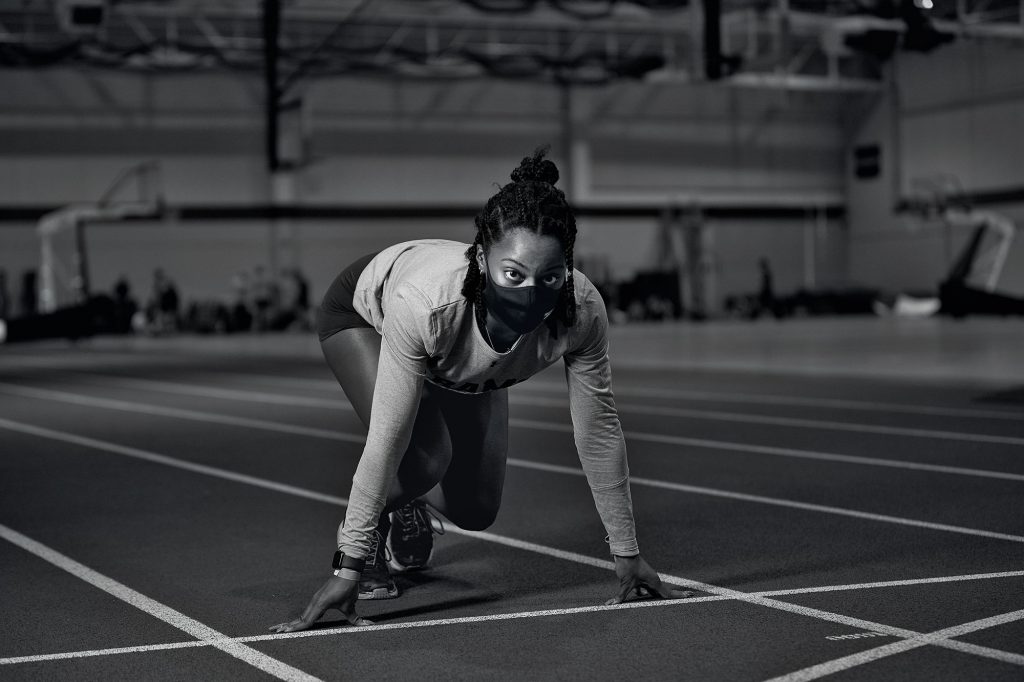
(637, 578)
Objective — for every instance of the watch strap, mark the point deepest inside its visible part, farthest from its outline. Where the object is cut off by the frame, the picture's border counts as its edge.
(350, 562)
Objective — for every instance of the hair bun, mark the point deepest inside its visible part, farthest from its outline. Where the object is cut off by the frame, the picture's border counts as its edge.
(536, 169)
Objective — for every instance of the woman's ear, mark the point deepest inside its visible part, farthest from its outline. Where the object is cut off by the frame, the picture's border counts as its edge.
(480, 259)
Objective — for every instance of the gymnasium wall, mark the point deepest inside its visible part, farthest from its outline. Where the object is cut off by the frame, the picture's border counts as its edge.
(957, 113)
(66, 134)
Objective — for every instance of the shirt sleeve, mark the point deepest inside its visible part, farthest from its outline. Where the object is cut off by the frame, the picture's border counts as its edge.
(404, 349)
(596, 429)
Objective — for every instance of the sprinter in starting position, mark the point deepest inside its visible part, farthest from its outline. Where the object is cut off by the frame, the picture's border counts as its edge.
(425, 338)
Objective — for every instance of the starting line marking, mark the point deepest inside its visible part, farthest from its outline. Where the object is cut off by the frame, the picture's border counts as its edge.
(362, 629)
(338, 403)
(348, 630)
(846, 662)
(143, 408)
(515, 543)
(204, 633)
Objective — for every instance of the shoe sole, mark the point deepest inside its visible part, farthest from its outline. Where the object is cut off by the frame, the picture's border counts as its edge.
(380, 593)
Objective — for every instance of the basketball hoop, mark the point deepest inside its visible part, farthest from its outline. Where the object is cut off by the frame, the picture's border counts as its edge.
(63, 266)
(929, 200)
(939, 202)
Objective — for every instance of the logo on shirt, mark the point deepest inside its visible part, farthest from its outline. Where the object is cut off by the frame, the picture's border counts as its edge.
(470, 387)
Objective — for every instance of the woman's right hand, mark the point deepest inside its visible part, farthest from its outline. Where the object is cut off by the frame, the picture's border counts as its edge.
(336, 593)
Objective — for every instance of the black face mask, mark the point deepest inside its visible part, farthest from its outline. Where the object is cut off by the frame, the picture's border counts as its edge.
(520, 309)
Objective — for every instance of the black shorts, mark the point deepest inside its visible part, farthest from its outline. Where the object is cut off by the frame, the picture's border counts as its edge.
(336, 311)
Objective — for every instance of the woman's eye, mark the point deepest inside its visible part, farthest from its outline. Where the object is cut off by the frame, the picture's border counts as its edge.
(513, 275)
(551, 280)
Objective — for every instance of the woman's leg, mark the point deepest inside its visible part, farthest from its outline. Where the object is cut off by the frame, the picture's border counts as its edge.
(459, 442)
(352, 354)
(470, 492)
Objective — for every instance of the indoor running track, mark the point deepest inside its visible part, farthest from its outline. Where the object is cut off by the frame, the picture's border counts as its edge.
(158, 511)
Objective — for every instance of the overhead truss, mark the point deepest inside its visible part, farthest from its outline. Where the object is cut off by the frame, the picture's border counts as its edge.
(765, 43)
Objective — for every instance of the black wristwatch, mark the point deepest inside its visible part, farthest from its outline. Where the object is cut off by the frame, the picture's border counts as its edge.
(342, 561)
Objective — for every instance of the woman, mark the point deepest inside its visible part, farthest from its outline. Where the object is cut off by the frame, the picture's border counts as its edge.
(425, 346)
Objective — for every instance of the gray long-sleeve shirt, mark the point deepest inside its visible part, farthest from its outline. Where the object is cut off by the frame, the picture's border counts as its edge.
(411, 294)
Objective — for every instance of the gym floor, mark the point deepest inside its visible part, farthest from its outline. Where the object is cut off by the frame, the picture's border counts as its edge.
(845, 497)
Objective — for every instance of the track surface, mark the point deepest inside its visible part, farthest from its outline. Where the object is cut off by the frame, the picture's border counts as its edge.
(159, 510)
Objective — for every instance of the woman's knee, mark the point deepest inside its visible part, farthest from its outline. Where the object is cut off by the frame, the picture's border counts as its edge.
(478, 514)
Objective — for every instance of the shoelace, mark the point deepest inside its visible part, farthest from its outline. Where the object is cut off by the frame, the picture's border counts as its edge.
(418, 516)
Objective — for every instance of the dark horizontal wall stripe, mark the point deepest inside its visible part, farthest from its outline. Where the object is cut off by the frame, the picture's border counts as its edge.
(264, 212)
(246, 140)
(987, 197)
(1012, 195)
(128, 140)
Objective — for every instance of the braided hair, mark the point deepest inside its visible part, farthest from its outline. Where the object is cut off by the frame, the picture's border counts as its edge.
(530, 202)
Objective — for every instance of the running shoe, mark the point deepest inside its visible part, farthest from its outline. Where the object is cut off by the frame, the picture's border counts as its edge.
(376, 581)
(411, 541)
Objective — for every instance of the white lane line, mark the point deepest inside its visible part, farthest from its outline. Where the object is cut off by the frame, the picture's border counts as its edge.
(553, 468)
(194, 628)
(499, 539)
(351, 630)
(155, 458)
(677, 394)
(517, 397)
(339, 403)
(797, 422)
(894, 583)
(779, 502)
(774, 398)
(815, 672)
(506, 616)
(140, 358)
(781, 452)
(160, 411)
(89, 653)
(243, 395)
(752, 598)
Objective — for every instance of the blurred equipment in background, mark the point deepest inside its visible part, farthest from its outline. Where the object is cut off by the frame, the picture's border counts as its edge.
(65, 306)
(970, 287)
(67, 283)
